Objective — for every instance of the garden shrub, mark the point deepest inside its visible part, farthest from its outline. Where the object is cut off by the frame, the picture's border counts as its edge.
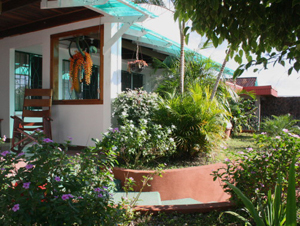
(273, 126)
(135, 105)
(243, 114)
(56, 189)
(138, 139)
(256, 171)
(199, 122)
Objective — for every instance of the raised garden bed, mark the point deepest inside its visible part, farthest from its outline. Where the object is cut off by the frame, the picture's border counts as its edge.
(193, 182)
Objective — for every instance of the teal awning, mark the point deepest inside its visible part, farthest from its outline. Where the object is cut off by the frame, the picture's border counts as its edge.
(160, 43)
(123, 8)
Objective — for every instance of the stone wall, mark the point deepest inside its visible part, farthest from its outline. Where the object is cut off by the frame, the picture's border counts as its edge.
(280, 106)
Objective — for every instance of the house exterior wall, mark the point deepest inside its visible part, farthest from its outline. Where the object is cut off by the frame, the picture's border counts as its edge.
(280, 106)
(81, 122)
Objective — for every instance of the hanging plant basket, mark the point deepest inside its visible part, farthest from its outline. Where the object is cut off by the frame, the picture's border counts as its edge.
(136, 66)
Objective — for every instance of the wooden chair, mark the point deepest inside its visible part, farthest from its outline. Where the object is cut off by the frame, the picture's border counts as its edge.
(37, 106)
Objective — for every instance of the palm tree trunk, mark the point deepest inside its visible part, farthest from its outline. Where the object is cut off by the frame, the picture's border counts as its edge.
(182, 61)
(219, 76)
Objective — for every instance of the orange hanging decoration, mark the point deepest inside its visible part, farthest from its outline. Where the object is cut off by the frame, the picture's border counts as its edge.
(78, 63)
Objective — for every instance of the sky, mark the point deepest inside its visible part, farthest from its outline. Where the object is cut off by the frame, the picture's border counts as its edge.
(277, 77)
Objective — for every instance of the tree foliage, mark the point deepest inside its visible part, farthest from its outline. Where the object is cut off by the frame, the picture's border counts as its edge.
(269, 29)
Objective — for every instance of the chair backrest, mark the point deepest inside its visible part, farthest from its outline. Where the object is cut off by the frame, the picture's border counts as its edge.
(37, 103)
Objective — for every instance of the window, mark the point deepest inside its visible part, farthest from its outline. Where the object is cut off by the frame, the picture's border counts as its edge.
(28, 74)
(77, 66)
(131, 80)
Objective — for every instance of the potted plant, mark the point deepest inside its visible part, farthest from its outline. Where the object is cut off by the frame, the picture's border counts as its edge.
(136, 66)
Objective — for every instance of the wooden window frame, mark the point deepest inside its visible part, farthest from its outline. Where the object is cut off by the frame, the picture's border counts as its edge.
(54, 63)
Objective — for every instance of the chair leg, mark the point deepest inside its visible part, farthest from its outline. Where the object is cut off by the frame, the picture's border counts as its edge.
(17, 136)
(47, 127)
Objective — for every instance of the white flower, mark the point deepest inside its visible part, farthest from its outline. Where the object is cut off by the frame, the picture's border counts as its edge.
(158, 136)
(171, 139)
(114, 148)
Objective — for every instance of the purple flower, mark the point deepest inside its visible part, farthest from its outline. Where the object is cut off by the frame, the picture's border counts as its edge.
(261, 184)
(241, 152)
(80, 197)
(4, 153)
(47, 140)
(263, 133)
(252, 172)
(29, 166)
(100, 195)
(115, 130)
(109, 169)
(2, 169)
(26, 185)
(66, 196)
(98, 189)
(57, 179)
(227, 160)
(285, 130)
(250, 149)
(70, 138)
(104, 187)
(131, 178)
(4, 138)
(21, 154)
(16, 207)
(278, 137)
(111, 179)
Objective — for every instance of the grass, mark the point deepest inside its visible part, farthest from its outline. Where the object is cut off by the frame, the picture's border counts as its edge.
(235, 144)
(240, 142)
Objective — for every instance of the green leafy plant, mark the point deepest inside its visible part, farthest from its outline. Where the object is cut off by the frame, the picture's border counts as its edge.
(138, 139)
(134, 105)
(139, 144)
(275, 212)
(197, 68)
(273, 126)
(56, 189)
(256, 170)
(243, 114)
(199, 122)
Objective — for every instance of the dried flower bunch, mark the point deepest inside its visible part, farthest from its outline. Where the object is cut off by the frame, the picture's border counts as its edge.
(79, 62)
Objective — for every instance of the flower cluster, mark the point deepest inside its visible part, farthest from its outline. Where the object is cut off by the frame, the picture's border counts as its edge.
(52, 188)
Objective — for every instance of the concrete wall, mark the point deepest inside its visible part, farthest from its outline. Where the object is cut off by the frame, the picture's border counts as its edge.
(81, 122)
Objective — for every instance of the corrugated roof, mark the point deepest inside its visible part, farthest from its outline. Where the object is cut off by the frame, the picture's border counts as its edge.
(245, 82)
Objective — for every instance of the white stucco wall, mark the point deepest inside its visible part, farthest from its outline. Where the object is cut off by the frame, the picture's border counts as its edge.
(81, 122)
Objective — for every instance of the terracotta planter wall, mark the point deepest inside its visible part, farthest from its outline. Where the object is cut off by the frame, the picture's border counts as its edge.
(192, 182)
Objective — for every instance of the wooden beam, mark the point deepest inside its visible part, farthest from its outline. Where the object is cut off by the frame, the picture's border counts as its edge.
(15, 4)
(79, 15)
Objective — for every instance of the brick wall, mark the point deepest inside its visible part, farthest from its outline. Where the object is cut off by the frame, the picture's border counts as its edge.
(280, 106)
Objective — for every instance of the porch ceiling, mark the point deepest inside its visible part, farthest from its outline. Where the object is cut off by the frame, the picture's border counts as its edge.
(23, 16)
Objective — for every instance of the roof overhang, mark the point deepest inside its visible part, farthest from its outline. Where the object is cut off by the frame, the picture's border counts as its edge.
(262, 90)
(235, 87)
